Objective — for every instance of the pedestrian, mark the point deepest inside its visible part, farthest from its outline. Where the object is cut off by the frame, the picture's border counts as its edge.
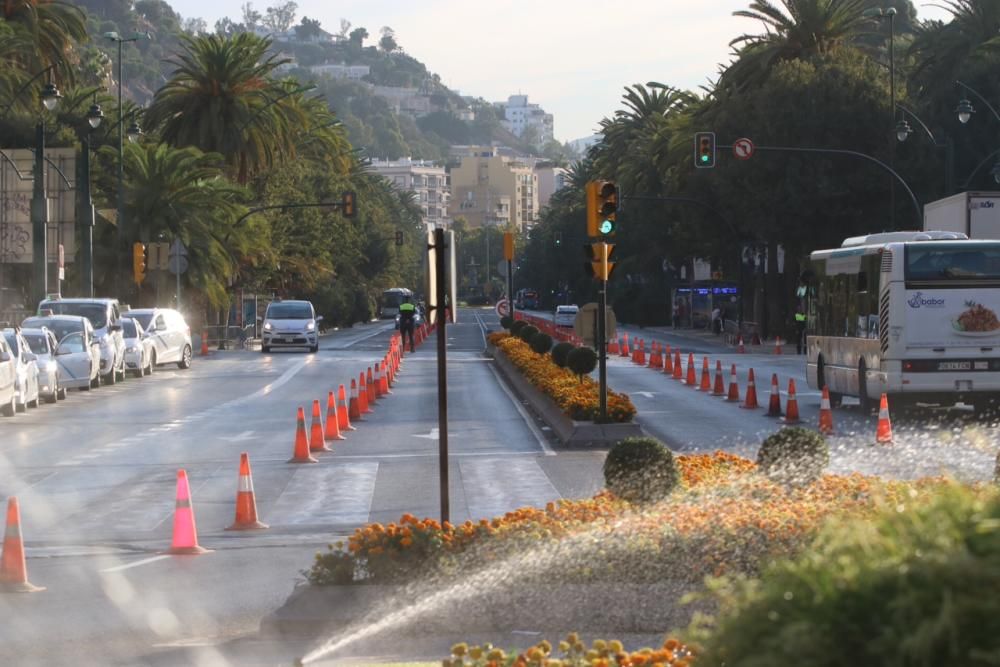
(800, 330)
(676, 315)
(717, 321)
(407, 314)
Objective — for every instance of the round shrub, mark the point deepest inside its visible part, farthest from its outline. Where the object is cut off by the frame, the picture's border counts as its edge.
(541, 342)
(640, 470)
(996, 467)
(506, 321)
(516, 327)
(582, 361)
(527, 333)
(560, 352)
(794, 456)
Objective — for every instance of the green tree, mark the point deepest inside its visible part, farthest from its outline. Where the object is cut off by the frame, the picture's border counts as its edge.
(51, 28)
(388, 40)
(280, 17)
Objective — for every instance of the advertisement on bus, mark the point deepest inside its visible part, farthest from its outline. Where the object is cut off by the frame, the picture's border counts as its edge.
(952, 318)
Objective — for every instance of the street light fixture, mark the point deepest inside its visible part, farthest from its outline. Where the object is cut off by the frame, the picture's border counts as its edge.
(134, 132)
(51, 96)
(95, 115)
(964, 110)
(903, 130)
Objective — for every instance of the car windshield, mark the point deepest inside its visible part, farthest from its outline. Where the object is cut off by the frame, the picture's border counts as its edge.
(95, 312)
(128, 329)
(12, 341)
(37, 343)
(289, 311)
(142, 318)
(59, 328)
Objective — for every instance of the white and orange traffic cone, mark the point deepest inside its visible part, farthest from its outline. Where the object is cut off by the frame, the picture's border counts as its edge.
(883, 434)
(301, 452)
(317, 441)
(668, 364)
(343, 411)
(332, 429)
(363, 395)
(777, 345)
(691, 380)
(739, 345)
(246, 504)
(678, 373)
(751, 398)
(370, 386)
(791, 405)
(720, 386)
(354, 409)
(774, 406)
(185, 539)
(734, 387)
(13, 567)
(825, 413)
(706, 378)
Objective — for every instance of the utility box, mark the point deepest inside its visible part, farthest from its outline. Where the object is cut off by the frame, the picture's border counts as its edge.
(975, 214)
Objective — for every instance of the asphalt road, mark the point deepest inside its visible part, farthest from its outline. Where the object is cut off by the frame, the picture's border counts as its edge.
(95, 477)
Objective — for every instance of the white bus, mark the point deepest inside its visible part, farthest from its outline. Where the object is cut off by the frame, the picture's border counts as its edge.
(915, 315)
(391, 298)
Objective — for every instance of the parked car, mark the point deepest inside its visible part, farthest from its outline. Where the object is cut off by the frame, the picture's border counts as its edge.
(8, 380)
(105, 315)
(43, 345)
(290, 324)
(169, 334)
(25, 369)
(138, 348)
(566, 316)
(78, 355)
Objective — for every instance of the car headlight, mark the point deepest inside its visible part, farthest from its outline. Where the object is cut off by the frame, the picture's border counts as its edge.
(132, 349)
(311, 325)
(267, 326)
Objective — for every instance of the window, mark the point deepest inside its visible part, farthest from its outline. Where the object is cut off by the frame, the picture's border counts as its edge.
(954, 261)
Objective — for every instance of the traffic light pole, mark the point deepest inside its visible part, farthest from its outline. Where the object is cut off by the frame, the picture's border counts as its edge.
(602, 349)
(440, 269)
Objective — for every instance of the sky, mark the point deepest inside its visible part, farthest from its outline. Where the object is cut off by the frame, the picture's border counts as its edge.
(572, 57)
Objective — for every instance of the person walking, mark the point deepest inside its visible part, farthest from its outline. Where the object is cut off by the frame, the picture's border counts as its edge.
(800, 330)
(407, 315)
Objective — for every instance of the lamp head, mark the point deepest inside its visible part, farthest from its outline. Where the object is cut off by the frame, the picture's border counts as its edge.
(964, 110)
(95, 115)
(50, 96)
(903, 130)
(133, 132)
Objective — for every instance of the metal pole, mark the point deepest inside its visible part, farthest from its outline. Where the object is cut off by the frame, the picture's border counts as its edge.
(121, 180)
(892, 115)
(87, 226)
(602, 348)
(39, 220)
(510, 287)
(442, 344)
(178, 274)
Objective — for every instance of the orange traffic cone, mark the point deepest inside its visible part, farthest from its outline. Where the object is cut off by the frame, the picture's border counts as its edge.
(734, 387)
(825, 413)
(668, 364)
(246, 504)
(791, 405)
(363, 395)
(642, 352)
(343, 412)
(774, 407)
(332, 429)
(317, 443)
(13, 568)
(883, 435)
(613, 347)
(678, 371)
(751, 399)
(777, 345)
(370, 387)
(185, 539)
(720, 386)
(706, 377)
(384, 381)
(625, 352)
(204, 343)
(739, 345)
(301, 452)
(376, 383)
(691, 381)
(354, 410)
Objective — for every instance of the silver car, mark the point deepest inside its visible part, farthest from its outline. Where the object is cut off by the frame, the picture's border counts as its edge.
(105, 315)
(290, 324)
(25, 369)
(78, 354)
(8, 380)
(138, 348)
(169, 333)
(43, 345)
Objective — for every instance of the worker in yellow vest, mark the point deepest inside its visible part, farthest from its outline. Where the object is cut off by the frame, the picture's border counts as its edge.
(407, 315)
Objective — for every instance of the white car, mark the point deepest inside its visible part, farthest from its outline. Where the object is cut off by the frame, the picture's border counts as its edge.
(78, 355)
(566, 315)
(8, 380)
(105, 315)
(43, 345)
(138, 348)
(290, 324)
(25, 368)
(169, 334)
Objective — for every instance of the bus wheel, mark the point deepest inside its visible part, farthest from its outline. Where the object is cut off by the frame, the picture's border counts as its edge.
(864, 401)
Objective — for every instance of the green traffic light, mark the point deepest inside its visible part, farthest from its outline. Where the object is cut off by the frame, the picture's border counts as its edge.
(704, 158)
(607, 227)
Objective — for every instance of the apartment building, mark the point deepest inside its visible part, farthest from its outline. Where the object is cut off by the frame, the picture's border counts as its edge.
(341, 71)
(519, 115)
(551, 179)
(429, 182)
(491, 189)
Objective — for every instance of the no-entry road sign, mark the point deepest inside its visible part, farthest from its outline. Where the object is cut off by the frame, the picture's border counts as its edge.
(743, 149)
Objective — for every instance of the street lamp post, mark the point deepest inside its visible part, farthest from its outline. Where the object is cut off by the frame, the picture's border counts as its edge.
(889, 14)
(39, 202)
(965, 111)
(904, 130)
(94, 118)
(115, 37)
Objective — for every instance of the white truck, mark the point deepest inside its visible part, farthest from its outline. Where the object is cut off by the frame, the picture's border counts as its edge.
(976, 214)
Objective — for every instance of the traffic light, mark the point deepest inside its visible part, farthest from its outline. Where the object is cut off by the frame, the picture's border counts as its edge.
(704, 150)
(348, 205)
(138, 263)
(599, 264)
(602, 209)
(399, 238)
(558, 239)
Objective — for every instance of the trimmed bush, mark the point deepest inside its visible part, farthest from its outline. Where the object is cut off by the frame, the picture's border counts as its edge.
(794, 456)
(517, 325)
(560, 352)
(541, 343)
(640, 470)
(506, 321)
(582, 361)
(527, 333)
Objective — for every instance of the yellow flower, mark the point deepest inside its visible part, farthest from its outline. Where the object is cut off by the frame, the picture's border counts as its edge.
(459, 649)
(616, 646)
(476, 652)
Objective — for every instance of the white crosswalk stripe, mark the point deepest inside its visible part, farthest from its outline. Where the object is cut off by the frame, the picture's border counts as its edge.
(330, 494)
(499, 485)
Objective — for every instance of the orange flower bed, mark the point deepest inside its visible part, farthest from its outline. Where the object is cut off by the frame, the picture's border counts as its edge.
(725, 518)
(579, 399)
(573, 653)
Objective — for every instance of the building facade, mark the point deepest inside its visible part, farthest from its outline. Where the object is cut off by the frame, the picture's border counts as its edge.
(429, 182)
(491, 189)
(341, 71)
(551, 179)
(519, 116)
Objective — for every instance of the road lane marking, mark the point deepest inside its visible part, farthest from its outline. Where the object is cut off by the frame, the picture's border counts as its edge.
(144, 561)
(529, 422)
(433, 435)
(340, 493)
(496, 486)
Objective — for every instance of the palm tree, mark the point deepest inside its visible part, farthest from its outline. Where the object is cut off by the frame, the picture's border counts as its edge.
(182, 193)
(222, 99)
(50, 27)
(795, 29)
(942, 50)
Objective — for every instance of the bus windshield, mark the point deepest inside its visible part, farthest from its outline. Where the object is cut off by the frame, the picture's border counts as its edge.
(952, 261)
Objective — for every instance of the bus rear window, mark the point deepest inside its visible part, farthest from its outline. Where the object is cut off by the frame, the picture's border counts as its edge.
(954, 261)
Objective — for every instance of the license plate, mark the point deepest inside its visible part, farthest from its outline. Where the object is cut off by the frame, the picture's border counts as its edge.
(955, 366)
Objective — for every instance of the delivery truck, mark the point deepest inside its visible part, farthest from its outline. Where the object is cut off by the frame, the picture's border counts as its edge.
(975, 214)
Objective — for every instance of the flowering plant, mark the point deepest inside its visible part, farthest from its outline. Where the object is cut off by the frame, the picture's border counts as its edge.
(572, 652)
